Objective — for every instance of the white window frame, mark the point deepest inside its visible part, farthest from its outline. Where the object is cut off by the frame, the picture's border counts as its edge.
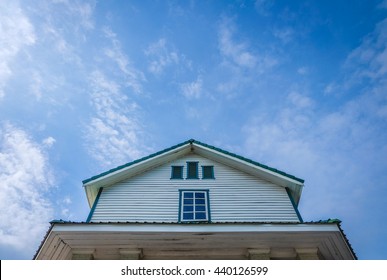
(194, 211)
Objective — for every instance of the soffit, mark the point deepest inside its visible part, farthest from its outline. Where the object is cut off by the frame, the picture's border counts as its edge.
(177, 241)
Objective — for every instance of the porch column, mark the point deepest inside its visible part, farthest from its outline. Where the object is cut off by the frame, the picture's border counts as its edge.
(259, 254)
(308, 253)
(83, 254)
(131, 254)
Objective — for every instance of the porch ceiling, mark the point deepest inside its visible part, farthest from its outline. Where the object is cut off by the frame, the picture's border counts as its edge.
(187, 242)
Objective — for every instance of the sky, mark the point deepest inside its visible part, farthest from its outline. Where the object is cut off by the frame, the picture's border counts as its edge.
(86, 86)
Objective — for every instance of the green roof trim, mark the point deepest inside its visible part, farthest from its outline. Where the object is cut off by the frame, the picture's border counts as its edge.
(192, 141)
(250, 161)
(134, 162)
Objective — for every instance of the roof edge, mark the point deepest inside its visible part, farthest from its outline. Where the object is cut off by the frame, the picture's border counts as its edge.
(193, 141)
(135, 162)
(250, 161)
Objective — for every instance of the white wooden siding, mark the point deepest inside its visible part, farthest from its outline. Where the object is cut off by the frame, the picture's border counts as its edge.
(234, 196)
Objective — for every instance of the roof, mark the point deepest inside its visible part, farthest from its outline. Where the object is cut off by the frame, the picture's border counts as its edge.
(92, 185)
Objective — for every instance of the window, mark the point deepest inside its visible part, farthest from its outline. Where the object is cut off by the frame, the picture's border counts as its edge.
(192, 170)
(194, 206)
(177, 172)
(208, 172)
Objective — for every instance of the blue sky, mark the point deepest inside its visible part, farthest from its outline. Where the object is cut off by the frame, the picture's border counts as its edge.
(88, 85)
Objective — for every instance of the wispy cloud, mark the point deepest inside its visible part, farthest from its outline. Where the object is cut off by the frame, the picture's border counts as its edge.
(132, 76)
(26, 179)
(16, 32)
(316, 143)
(299, 100)
(303, 70)
(285, 34)
(239, 61)
(263, 6)
(238, 53)
(370, 58)
(193, 90)
(161, 55)
(80, 11)
(115, 134)
(383, 5)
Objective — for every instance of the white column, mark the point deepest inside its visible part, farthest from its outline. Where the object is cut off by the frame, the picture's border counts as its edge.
(83, 254)
(130, 254)
(259, 254)
(308, 253)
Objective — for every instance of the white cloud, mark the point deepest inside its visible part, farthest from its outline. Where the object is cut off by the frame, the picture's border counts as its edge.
(300, 100)
(341, 152)
(133, 77)
(369, 60)
(65, 208)
(60, 42)
(303, 70)
(16, 32)
(115, 134)
(49, 142)
(26, 179)
(263, 6)
(240, 65)
(237, 52)
(161, 56)
(193, 90)
(285, 34)
(383, 5)
(80, 11)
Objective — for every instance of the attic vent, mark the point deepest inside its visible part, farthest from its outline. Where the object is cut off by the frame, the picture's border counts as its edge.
(192, 170)
(177, 172)
(208, 172)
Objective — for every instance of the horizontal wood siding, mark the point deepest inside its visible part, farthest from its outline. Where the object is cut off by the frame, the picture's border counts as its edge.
(234, 196)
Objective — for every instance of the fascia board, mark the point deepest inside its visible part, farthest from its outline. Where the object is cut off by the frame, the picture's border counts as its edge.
(255, 170)
(244, 165)
(195, 228)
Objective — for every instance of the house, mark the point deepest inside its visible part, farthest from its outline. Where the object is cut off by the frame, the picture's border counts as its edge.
(194, 201)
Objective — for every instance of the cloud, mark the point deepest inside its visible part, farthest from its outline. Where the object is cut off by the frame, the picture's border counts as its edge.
(64, 205)
(303, 70)
(300, 100)
(383, 5)
(49, 142)
(115, 134)
(239, 63)
(26, 179)
(162, 56)
(81, 12)
(332, 148)
(193, 90)
(238, 53)
(285, 34)
(133, 77)
(369, 60)
(263, 7)
(16, 32)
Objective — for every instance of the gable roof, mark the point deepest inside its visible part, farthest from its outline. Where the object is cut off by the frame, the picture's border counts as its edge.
(112, 176)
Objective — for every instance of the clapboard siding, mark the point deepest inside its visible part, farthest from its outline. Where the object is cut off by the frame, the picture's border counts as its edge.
(234, 196)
